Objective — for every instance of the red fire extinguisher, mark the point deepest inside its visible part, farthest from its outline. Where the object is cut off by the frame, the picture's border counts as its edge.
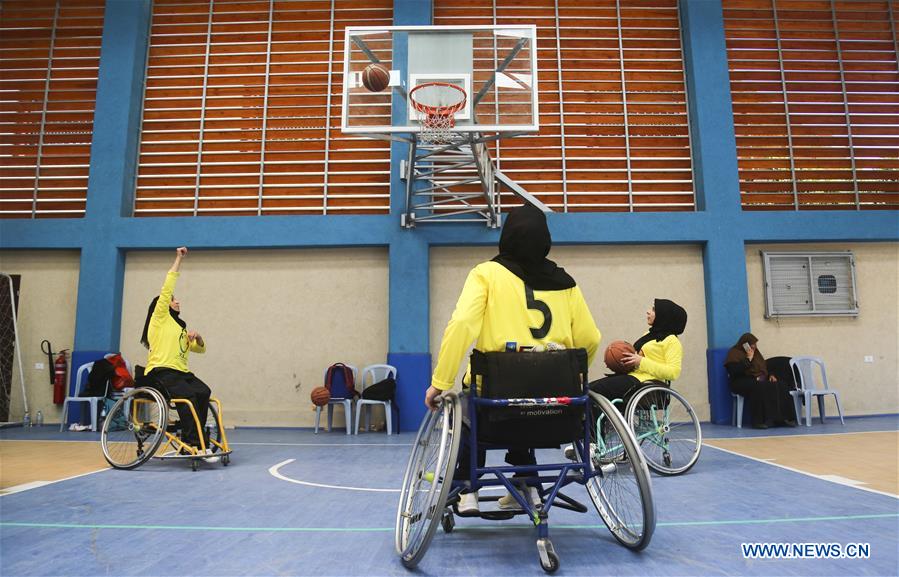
(61, 367)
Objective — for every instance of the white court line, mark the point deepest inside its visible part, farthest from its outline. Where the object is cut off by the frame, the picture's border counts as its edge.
(821, 434)
(275, 473)
(828, 478)
(36, 484)
(274, 470)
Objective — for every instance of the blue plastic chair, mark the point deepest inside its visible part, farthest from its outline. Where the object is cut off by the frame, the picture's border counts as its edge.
(340, 395)
(737, 418)
(804, 367)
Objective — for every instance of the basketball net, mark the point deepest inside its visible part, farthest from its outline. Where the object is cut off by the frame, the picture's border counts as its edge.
(437, 120)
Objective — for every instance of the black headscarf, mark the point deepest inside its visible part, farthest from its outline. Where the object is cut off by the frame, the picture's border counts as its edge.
(671, 319)
(523, 246)
(144, 338)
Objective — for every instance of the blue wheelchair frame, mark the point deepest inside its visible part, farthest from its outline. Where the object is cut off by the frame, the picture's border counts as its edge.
(431, 492)
(568, 472)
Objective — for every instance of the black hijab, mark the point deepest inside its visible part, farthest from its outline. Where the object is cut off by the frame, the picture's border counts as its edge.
(144, 338)
(671, 319)
(523, 246)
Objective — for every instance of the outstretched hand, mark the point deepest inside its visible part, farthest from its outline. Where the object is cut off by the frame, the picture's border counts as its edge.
(181, 251)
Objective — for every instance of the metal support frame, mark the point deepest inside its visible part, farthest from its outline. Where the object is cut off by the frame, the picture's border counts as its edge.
(435, 173)
(836, 35)
(786, 94)
(40, 140)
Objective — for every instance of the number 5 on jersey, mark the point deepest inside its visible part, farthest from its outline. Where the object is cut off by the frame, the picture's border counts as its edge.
(541, 306)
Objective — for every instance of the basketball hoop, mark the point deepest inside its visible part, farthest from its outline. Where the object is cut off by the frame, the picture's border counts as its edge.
(435, 109)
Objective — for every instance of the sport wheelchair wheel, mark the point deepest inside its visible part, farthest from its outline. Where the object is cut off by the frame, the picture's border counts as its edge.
(666, 428)
(621, 490)
(428, 478)
(134, 428)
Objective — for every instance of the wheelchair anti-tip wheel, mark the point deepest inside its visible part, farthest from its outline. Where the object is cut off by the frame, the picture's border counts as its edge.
(666, 428)
(134, 428)
(428, 478)
(621, 490)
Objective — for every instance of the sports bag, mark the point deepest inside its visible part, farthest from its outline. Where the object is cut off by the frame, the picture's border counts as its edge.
(381, 391)
(340, 382)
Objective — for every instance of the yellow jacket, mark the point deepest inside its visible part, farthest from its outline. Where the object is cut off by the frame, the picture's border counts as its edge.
(495, 309)
(169, 345)
(661, 360)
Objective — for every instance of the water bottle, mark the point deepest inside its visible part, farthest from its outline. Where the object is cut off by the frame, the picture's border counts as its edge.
(39, 419)
(27, 420)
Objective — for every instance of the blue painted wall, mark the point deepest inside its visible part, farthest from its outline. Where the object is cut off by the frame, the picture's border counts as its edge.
(719, 226)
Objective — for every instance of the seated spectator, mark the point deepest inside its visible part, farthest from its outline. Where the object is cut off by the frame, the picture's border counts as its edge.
(769, 399)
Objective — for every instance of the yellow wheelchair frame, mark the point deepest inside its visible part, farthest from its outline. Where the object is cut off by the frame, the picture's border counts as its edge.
(139, 422)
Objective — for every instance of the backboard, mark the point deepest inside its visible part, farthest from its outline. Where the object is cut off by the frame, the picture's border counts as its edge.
(495, 65)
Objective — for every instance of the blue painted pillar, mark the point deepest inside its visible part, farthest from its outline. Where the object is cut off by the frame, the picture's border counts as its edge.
(111, 177)
(717, 188)
(409, 301)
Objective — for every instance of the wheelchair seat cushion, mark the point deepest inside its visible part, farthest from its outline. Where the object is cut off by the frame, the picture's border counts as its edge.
(505, 375)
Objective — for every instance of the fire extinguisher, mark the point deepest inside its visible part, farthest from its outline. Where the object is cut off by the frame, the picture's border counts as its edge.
(61, 368)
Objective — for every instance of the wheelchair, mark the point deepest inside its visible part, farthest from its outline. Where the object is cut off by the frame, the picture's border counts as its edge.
(144, 424)
(552, 406)
(665, 425)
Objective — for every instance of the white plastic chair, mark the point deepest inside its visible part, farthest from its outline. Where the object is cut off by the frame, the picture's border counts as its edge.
(378, 373)
(346, 402)
(737, 418)
(805, 367)
(81, 380)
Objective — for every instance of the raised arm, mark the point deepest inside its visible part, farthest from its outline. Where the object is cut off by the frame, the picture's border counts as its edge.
(180, 253)
(168, 287)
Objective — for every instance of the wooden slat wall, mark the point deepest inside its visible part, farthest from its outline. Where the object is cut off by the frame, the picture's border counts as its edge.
(49, 58)
(619, 139)
(815, 89)
(242, 111)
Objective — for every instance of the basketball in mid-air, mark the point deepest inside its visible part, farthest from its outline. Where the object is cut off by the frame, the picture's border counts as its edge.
(614, 352)
(375, 77)
(320, 396)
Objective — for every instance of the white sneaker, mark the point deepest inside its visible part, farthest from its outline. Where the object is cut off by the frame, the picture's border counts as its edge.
(508, 501)
(570, 453)
(212, 459)
(468, 503)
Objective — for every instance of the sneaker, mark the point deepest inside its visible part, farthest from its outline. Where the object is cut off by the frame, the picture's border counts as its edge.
(508, 501)
(571, 453)
(212, 458)
(468, 503)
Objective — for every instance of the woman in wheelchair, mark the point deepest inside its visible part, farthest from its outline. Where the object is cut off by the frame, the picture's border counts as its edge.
(664, 423)
(169, 342)
(533, 397)
(518, 300)
(659, 353)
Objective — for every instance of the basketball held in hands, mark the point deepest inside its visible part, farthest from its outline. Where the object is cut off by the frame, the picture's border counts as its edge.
(375, 77)
(614, 352)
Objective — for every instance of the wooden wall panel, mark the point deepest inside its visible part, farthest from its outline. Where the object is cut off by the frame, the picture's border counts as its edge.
(49, 59)
(815, 87)
(242, 111)
(614, 134)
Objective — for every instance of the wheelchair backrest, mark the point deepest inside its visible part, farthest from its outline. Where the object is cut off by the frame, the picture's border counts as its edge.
(521, 375)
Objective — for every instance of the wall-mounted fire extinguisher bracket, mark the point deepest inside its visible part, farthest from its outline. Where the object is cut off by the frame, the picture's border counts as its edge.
(61, 371)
